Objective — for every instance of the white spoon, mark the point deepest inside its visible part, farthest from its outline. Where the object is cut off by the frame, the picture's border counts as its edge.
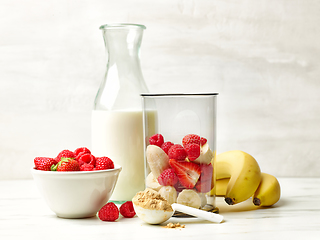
(212, 217)
(153, 216)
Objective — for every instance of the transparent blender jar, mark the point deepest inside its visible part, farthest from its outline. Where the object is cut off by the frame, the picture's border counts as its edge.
(180, 147)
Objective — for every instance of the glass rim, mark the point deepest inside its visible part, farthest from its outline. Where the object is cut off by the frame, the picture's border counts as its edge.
(177, 94)
(121, 25)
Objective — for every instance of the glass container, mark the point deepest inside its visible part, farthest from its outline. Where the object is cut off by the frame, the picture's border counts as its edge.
(180, 147)
(117, 128)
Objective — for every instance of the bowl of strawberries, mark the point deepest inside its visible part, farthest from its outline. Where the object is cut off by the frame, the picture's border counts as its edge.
(75, 184)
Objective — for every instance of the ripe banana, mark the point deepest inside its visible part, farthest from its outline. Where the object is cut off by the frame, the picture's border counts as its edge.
(152, 182)
(268, 192)
(189, 198)
(157, 159)
(206, 155)
(243, 171)
(221, 186)
(169, 193)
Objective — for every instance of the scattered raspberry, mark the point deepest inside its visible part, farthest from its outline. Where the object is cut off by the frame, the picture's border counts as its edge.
(44, 163)
(166, 146)
(81, 150)
(86, 167)
(193, 151)
(109, 212)
(203, 141)
(168, 178)
(103, 163)
(177, 152)
(66, 165)
(127, 210)
(87, 158)
(65, 154)
(191, 138)
(156, 139)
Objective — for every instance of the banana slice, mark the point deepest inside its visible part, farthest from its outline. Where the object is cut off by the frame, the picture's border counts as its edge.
(206, 155)
(169, 193)
(152, 182)
(189, 198)
(157, 159)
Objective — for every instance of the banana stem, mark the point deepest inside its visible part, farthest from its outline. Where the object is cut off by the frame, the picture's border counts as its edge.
(229, 201)
(256, 201)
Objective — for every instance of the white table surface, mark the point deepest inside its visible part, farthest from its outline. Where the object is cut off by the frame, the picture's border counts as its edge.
(25, 215)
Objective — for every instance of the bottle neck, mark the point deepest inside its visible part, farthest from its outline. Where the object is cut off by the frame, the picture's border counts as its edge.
(123, 45)
(123, 81)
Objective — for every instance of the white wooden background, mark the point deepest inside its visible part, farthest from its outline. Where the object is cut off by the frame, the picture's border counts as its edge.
(262, 56)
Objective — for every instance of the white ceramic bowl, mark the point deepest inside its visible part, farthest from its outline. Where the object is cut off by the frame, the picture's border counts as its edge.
(76, 194)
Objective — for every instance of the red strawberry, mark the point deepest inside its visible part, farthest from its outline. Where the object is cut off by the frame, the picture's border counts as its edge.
(205, 182)
(206, 171)
(166, 146)
(188, 172)
(66, 165)
(204, 186)
(177, 152)
(86, 167)
(127, 210)
(109, 212)
(65, 154)
(193, 151)
(191, 138)
(156, 139)
(103, 163)
(43, 163)
(168, 178)
(86, 158)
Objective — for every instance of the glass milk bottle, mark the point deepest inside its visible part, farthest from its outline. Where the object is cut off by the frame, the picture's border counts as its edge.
(117, 127)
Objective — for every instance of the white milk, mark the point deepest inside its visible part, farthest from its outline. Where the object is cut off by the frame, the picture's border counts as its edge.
(119, 136)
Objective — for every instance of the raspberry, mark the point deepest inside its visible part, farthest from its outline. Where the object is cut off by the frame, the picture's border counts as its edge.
(193, 151)
(156, 139)
(109, 212)
(191, 138)
(127, 210)
(86, 167)
(103, 163)
(203, 141)
(177, 152)
(168, 178)
(166, 146)
(43, 163)
(65, 154)
(86, 158)
(81, 150)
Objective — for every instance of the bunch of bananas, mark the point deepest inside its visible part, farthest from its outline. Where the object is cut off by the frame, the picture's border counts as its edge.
(238, 177)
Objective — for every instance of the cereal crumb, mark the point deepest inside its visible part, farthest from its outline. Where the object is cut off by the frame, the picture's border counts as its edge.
(175, 225)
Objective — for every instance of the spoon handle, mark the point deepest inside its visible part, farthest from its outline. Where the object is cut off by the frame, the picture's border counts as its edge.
(213, 217)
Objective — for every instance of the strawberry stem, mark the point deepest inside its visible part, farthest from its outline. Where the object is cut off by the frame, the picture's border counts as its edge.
(54, 167)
